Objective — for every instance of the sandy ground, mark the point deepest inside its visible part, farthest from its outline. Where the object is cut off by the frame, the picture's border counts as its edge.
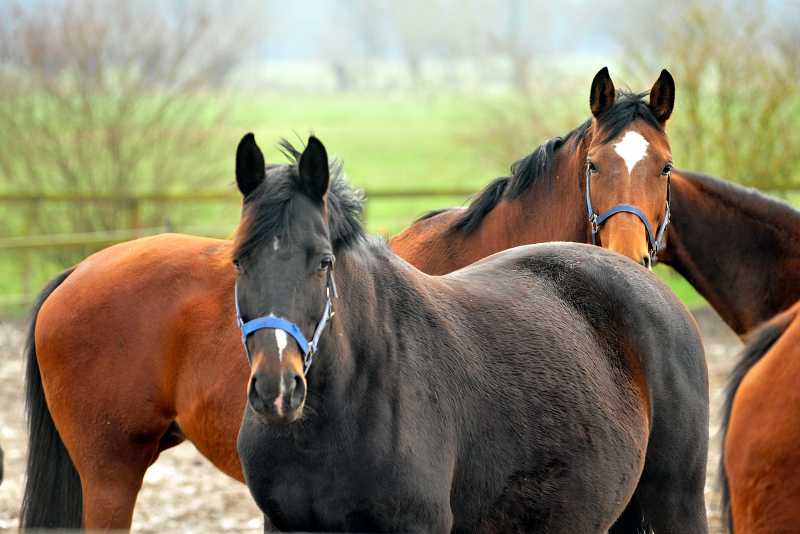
(183, 492)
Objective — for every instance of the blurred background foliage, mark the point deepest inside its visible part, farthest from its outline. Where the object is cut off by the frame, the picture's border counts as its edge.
(102, 102)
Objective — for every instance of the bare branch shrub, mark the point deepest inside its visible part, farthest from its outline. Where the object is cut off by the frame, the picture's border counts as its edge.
(514, 125)
(737, 112)
(114, 98)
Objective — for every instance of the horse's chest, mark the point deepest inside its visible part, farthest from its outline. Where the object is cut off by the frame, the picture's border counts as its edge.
(351, 489)
(326, 501)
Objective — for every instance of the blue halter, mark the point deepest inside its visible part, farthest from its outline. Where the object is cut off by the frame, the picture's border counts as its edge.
(308, 348)
(596, 220)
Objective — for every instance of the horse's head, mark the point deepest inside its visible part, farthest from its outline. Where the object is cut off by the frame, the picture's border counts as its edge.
(284, 259)
(628, 164)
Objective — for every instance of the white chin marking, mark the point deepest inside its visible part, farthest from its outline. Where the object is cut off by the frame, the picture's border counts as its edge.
(280, 337)
(632, 148)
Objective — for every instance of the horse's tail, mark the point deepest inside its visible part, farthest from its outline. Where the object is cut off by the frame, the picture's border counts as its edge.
(52, 496)
(631, 521)
(758, 344)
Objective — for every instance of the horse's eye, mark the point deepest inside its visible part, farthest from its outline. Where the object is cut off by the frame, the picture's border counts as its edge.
(325, 263)
(591, 167)
(236, 265)
(667, 169)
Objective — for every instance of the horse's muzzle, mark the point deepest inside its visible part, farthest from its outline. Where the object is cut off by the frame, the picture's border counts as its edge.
(277, 400)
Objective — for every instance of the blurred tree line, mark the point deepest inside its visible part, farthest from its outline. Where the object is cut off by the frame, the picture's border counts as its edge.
(101, 97)
(736, 66)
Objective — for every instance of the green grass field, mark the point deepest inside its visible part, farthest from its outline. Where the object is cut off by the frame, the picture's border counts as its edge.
(387, 144)
(434, 143)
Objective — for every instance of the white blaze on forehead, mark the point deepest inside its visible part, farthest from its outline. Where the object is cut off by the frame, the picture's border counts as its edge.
(275, 244)
(280, 337)
(632, 148)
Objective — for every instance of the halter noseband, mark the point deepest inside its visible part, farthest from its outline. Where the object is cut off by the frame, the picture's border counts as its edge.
(596, 220)
(308, 348)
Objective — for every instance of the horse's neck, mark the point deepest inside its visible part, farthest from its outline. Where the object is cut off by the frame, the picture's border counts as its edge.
(374, 287)
(739, 248)
(550, 212)
(428, 245)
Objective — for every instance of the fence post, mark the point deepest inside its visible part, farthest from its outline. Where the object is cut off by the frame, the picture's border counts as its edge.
(136, 219)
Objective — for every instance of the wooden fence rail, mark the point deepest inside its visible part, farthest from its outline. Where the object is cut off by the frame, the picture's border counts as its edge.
(207, 196)
(22, 246)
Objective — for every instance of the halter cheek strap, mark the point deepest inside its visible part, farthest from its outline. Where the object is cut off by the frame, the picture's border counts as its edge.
(656, 241)
(307, 348)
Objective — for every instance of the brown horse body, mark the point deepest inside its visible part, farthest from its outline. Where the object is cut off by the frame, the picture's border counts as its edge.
(760, 466)
(137, 349)
(738, 247)
(157, 314)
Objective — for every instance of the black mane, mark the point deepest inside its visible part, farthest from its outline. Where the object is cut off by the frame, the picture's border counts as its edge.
(537, 166)
(431, 214)
(266, 211)
(525, 175)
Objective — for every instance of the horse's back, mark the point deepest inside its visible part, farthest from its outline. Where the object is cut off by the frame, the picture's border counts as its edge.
(596, 281)
(134, 289)
(427, 244)
(574, 404)
(625, 304)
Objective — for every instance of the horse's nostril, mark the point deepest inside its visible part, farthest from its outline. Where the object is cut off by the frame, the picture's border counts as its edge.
(646, 262)
(298, 392)
(254, 395)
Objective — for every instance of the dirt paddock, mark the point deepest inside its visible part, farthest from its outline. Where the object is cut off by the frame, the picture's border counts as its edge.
(183, 493)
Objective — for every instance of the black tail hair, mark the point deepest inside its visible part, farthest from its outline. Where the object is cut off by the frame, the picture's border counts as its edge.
(631, 521)
(482, 204)
(758, 343)
(52, 496)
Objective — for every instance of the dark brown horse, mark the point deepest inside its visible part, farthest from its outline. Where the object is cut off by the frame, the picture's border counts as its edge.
(133, 350)
(534, 391)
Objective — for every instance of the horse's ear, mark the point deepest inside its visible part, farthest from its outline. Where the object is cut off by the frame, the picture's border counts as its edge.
(249, 165)
(603, 93)
(662, 96)
(313, 167)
